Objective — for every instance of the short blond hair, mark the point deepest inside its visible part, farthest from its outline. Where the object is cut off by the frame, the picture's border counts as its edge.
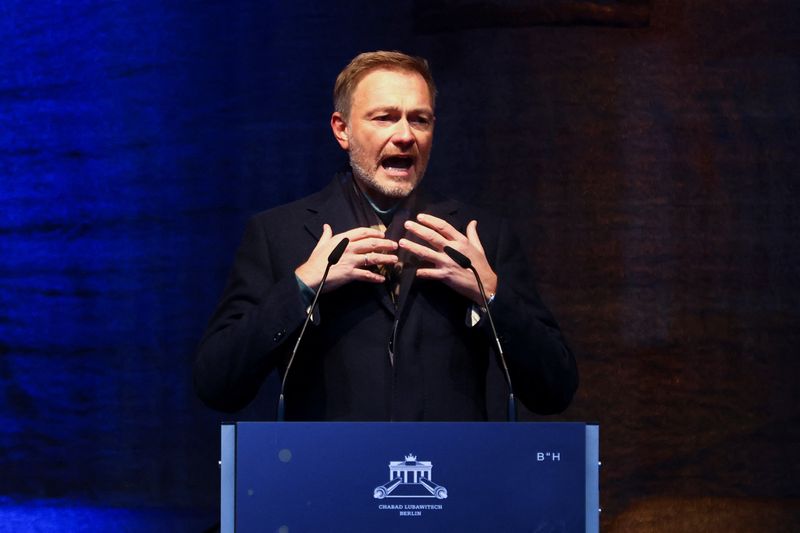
(362, 64)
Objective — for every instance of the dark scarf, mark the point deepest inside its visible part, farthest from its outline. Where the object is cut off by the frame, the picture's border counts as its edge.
(366, 216)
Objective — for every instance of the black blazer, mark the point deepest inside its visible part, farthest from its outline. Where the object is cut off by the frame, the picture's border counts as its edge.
(343, 370)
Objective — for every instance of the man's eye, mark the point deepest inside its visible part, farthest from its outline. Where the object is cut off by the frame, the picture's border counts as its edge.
(421, 121)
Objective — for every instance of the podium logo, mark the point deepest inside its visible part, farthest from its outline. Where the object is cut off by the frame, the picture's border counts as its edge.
(410, 479)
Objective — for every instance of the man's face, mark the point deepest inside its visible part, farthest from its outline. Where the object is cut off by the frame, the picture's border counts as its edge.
(389, 133)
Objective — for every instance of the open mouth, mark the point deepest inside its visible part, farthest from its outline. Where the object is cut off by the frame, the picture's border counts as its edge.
(397, 162)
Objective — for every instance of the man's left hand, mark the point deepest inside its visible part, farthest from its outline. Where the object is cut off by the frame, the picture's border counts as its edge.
(438, 233)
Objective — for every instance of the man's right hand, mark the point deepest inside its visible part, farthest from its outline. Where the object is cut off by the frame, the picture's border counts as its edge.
(367, 247)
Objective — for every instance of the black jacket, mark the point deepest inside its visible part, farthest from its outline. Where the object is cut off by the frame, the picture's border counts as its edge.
(343, 370)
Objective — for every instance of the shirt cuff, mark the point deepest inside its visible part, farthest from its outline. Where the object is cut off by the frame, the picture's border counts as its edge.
(476, 312)
(305, 291)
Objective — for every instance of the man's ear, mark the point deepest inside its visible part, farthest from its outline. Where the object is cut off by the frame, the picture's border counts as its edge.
(339, 127)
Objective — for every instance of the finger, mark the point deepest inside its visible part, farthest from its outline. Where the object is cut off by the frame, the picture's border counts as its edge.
(373, 244)
(324, 238)
(441, 226)
(423, 252)
(371, 258)
(359, 274)
(357, 234)
(427, 234)
(472, 236)
(431, 273)
(327, 233)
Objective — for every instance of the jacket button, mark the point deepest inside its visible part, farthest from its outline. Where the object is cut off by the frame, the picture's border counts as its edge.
(278, 336)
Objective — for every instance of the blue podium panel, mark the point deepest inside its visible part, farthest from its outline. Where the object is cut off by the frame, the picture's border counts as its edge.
(352, 477)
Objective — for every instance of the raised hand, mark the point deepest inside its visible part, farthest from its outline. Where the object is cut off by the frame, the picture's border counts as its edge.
(438, 233)
(367, 247)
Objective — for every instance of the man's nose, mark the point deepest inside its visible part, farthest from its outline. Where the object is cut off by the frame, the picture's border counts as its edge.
(403, 134)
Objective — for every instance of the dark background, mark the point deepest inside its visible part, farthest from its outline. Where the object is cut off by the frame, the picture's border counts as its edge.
(646, 151)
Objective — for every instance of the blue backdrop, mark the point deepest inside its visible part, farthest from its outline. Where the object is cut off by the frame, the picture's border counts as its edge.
(135, 139)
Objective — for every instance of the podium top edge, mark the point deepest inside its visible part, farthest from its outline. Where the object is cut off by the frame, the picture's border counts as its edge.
(376, 423)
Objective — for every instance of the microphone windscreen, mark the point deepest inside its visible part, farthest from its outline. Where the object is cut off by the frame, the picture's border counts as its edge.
(461, 259)
(337, 252)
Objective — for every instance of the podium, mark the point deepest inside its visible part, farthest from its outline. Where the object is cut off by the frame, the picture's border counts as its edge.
(292, 477)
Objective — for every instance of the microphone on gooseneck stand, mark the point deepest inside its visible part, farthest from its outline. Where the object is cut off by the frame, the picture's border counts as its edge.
(464, 262)
(333, 258)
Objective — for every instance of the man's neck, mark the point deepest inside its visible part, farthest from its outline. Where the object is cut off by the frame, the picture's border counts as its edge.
(383, 206)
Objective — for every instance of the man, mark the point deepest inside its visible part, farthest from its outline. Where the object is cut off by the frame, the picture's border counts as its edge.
(400, 333)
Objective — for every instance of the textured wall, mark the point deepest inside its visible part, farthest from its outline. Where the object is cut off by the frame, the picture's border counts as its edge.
(654, 173)
(651, 171)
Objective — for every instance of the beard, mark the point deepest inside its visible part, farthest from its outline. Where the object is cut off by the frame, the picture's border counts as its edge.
(366, 174)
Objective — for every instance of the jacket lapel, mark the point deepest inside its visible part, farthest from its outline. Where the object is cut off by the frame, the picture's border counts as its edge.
(331, 207)
(328, 207)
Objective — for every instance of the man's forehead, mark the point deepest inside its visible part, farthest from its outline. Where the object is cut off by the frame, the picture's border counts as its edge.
(384, 82)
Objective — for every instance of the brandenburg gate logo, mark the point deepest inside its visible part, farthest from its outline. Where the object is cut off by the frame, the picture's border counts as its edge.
(410, 479)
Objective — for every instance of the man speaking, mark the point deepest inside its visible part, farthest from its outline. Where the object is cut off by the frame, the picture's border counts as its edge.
(400, 331)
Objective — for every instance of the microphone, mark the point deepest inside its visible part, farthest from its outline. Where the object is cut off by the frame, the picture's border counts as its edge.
(335, 255)
(333, 258)
(464, 262)
(460, 259)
